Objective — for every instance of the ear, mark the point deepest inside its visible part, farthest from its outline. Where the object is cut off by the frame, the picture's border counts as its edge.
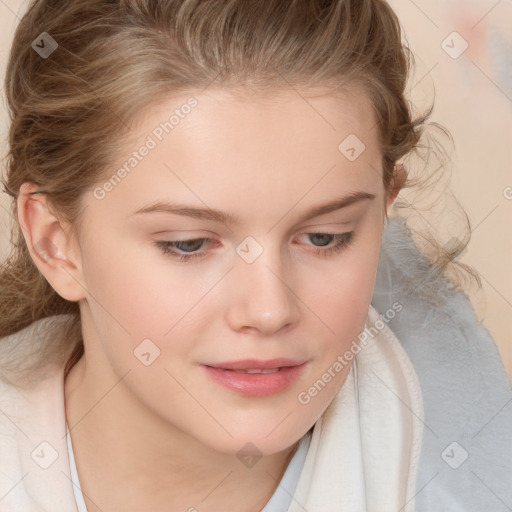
(399, 179)
(53, 251)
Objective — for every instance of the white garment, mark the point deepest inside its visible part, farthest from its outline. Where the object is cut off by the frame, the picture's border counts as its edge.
(77, 488)
(363, 455)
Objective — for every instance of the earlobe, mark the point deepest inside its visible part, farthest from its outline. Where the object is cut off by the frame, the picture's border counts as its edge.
(48, 243)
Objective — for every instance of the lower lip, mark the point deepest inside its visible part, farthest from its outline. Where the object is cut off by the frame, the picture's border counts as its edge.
(256, 384)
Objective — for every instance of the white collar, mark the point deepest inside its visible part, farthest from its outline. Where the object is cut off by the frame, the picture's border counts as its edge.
(365, 449)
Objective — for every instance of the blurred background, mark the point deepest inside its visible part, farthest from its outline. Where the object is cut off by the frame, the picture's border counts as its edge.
(463, 54)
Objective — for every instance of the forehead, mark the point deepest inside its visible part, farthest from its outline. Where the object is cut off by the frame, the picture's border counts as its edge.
(281, 126)
(306, 111)
(230, 147)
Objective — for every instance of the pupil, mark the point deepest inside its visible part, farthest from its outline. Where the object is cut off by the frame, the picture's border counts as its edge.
(322, 236)
(189, 245)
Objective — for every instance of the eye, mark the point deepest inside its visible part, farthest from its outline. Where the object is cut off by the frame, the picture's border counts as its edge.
(188, 246)
(189, 250)
(341, 242)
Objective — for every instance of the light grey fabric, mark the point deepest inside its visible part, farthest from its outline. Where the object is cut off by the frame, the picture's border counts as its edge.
(466, 391)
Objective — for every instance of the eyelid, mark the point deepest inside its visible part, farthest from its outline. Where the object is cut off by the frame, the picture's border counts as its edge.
(210, 238)
(320, 225)
(333, 228)
(192, 234)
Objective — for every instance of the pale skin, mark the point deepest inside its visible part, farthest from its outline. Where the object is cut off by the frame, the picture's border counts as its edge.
(165, 436)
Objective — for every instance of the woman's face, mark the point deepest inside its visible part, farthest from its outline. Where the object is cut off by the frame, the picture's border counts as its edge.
(278, 205)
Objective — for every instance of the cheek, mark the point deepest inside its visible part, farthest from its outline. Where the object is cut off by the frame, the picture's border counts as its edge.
(135, 293)
(342, 296)
(127, 299)
(340, 307)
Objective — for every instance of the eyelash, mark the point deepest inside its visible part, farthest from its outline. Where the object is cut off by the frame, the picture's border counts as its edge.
(344, 240)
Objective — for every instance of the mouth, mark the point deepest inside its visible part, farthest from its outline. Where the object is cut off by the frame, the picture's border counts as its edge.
(257, 365)
(252, 377)
(256, 370)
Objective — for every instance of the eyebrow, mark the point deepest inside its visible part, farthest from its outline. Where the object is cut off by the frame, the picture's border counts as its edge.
(230, 219)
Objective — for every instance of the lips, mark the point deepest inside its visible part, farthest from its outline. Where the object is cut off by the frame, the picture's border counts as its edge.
(254, 377)
(256, 365)
(255, 370)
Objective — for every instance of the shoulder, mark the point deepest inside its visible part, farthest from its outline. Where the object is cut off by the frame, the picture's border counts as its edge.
(34, 463)
(32, 424)
(466, 392)
(26, 377)
(436, 324)
(28, 356)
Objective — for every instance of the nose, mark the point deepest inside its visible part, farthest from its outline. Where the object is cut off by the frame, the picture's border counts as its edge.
(262, 299)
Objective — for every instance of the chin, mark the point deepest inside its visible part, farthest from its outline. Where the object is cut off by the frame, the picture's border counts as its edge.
(260, 439)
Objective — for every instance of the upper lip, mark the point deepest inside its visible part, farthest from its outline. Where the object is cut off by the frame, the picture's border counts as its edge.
(256, 364)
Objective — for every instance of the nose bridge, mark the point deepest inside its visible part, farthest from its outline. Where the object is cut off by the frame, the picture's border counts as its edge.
(263, 297)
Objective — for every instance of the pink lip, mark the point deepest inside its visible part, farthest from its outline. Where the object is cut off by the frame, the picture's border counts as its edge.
(256, 384)
(255, 364)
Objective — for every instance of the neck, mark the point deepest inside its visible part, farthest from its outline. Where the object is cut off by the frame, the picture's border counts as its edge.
(117, 441)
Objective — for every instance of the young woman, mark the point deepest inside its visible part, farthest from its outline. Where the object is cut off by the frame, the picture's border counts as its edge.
(207, 307)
